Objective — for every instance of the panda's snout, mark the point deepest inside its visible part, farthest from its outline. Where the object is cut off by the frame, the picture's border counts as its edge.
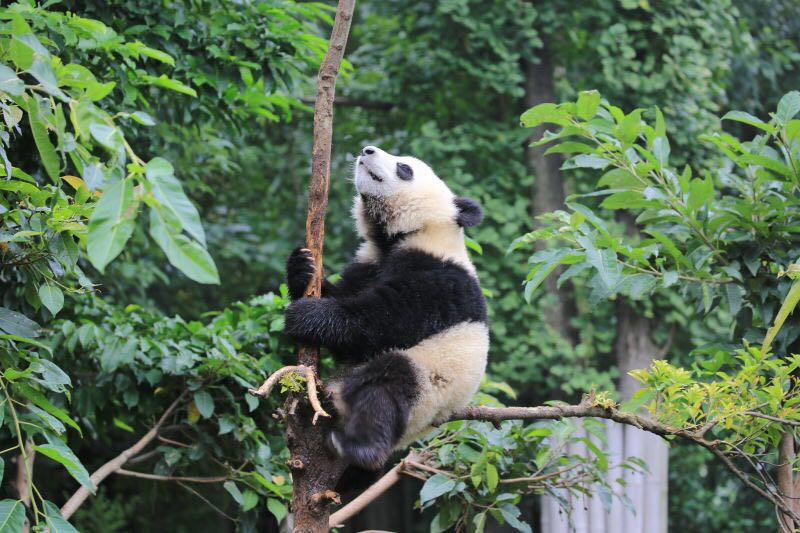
(368, 150)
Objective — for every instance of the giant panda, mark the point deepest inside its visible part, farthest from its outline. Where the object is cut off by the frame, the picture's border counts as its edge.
(407, 318)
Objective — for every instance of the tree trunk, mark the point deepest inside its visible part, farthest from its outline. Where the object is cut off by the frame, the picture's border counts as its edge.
(648, 491)
(315, 471)
(548, 188)
(786, 481)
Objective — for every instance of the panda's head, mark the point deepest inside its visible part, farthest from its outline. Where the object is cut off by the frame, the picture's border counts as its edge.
(399, 196)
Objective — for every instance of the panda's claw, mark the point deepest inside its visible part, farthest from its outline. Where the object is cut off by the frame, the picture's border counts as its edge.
(300, 269)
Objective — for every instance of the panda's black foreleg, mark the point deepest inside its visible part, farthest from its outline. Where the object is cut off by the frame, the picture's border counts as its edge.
(378, 397)
(299, 271)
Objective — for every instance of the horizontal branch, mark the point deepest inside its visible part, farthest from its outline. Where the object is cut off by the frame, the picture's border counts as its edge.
(185, 479)
(586, 409)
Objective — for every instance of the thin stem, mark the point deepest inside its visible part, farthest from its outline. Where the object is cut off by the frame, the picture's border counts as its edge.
(22, 452)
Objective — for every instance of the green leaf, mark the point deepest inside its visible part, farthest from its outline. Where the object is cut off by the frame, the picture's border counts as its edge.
(435, 486)
(550, 260)
(153, 53)
(700, 192)
(588, 102)
(479, 522)
(43, 72)
(50, 160)
(670, 247)
(661, 149)
(547, 112)
(94, 176)
(111, 223)
(639, 399)
(143, 118)
(234, 491)
(18, 324)
(167, 189)
(620, 179)
(10, 82)
(510, 513)
(55, 521)
(169, 83)
(630, 126)
(628, 200)
(12, 516)
(250, 500)
(277, 508)
(492, 477)
(59, 452)
(204, 403)
(473, 245)
(747, 118)
(186, 255)
(39, 399)
(585, 161)
(570, 147)
(52, 297)
(638, 285)
(2, 465)
(734, 294)
(789, 303)
(107, 136)
(788, 106)
(606, 264)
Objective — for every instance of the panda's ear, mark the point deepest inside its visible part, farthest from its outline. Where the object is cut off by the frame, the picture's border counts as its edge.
(469, 212)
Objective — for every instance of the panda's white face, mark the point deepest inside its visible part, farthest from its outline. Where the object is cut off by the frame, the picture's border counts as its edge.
(402, 197)
(382, 174)
(409, 195)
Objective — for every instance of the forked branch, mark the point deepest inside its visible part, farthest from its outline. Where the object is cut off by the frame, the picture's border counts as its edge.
(311, 384)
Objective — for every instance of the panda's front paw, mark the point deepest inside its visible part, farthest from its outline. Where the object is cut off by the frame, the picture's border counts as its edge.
(299, 271)
(302, 320)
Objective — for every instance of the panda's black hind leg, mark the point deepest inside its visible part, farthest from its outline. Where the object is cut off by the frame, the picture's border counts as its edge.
(378, 397)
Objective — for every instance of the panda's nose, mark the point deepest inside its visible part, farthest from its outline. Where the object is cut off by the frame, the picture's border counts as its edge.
(368, 150)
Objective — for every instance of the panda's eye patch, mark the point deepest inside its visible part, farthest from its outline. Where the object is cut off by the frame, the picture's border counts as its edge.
(404, 172)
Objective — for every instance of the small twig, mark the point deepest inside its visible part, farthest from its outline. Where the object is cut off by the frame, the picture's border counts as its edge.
(186, 479)
(207, 502)
(773, 418)
(311, 381)
(173, 442)
(533, 479)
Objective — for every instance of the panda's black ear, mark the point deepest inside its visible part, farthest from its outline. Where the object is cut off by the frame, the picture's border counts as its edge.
(469, 212)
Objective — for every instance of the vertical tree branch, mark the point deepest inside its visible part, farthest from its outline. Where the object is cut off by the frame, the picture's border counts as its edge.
(786, 486)
(315, 472)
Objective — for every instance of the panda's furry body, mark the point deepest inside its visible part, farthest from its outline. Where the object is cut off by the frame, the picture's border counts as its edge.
(407, 317)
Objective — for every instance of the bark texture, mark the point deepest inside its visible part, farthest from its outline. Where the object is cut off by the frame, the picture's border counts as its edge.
(786, 483)
(315, 471)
